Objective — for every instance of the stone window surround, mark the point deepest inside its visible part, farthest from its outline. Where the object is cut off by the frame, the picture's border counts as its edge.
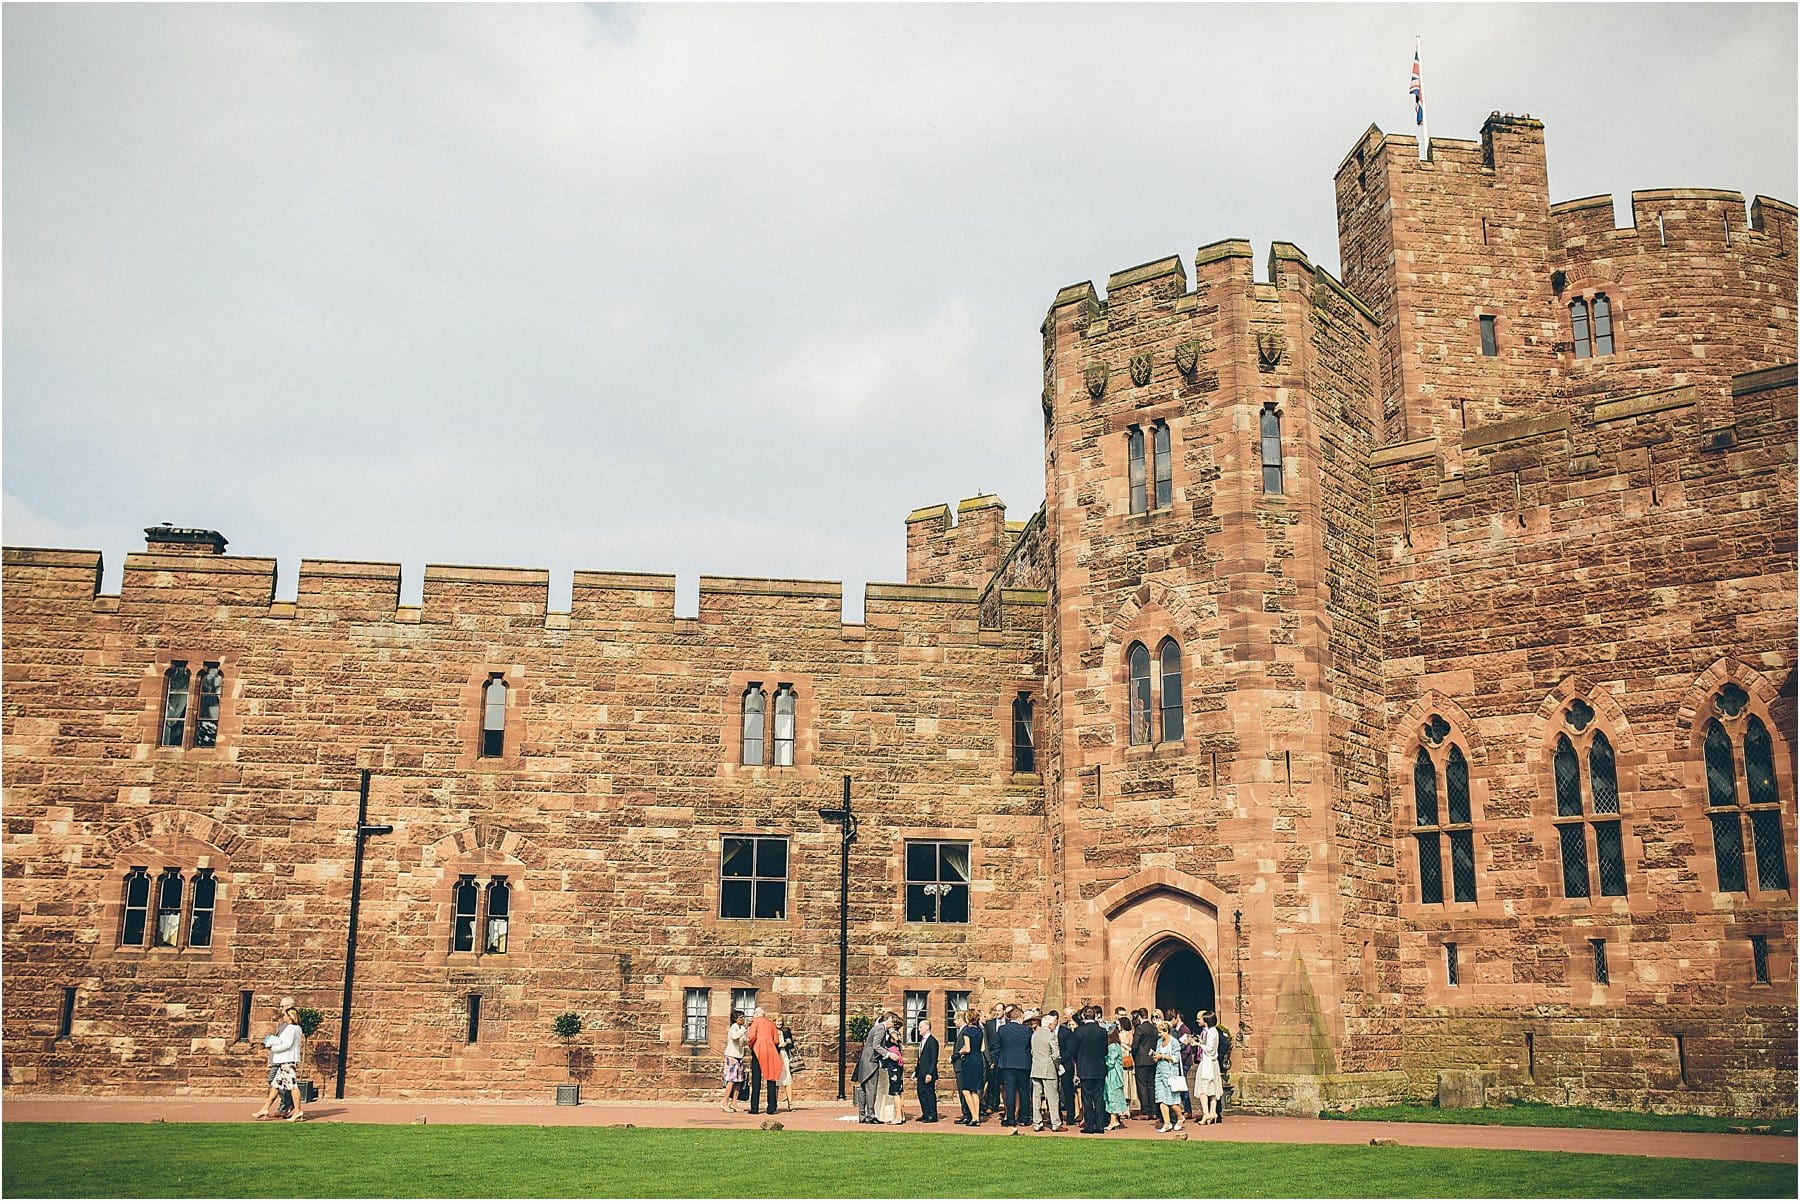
(1116, 460)
(483, 864)
(1003, 722)
(470, 710)
(1153, 645)
(1586, 288)
(188, 855)
(731, 725)
(153, 689)
(1608, 717)
(1478, 794)
(715, 877)
(1700, 810)
(706, 1056)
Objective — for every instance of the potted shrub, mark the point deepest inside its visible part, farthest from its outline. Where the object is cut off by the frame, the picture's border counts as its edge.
(309, 1020)
(565, 1027)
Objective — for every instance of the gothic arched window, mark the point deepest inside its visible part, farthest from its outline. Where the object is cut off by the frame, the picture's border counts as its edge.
(1440, 758)
(1587, 805)
(493, 718)
(1733, 735)
(754, 705)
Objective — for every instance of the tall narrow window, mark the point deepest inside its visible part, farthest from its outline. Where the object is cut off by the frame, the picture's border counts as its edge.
(1752, 795)
(464, 902)
(1138, 666)
(1589, 835)
(246, 1002)
(1602, 975)
(474, 1032)
(1165, 467)
(696, 1006)
(1452, 976)
(499, 909)
(1578, 327)
(1490, 345)
(200, 912)
(65, 1024)
(1134, 449)
(1442, 812)
(1024, 738)
(1271, 450)
(784, 726)
(493, 718)
(1603, 333)
(175, 704)
(168, 908)
(1759, 958)
(137, 908)
(915, 1003)
(754, 703)
(206, 722)
(753, 878)
(937, 882)
(1171, 711)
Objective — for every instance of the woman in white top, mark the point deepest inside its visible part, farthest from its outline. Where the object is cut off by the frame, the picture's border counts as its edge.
(284, 1063)
(734, 1061)
(1209, 1085)
(786, 1083)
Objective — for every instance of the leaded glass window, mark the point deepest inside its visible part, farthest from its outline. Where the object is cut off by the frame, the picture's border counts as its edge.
(1578, 328)
(1134, 449)
(1271, 450)
(754, 702)
(1456, 785)
(1024, 735)
(1165, 490)
(1138, 666)
(1425, 789)
(1603, 330)
(1771, 849)
(1568, 779)
(1462, 864)
(1759, 958)
(784, 726)
(1602, 776)
(1446, 803)
(175, 704)
(1609, 850)
(1759, 763)
(1431, 870)
(137, 907)
(206, 723)
(1171, 711)
(1573, 840)
(1758, 801)
(1728, 850)
(1721, 776)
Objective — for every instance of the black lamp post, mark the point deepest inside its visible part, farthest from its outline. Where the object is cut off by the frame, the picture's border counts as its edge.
(363, 832)
(848, 822)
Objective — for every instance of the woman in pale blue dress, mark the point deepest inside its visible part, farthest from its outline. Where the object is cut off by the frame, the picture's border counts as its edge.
(1169, 1080)
(1116, 1106)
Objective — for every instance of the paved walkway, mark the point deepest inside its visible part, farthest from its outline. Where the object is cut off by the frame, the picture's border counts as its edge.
(830, 1115)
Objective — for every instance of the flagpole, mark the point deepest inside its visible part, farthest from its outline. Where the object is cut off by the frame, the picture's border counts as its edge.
(1419, 97)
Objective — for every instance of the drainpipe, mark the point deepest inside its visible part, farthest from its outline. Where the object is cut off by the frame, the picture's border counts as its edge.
(363, 831)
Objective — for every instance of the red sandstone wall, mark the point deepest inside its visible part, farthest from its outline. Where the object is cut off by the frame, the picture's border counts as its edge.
(606, 812)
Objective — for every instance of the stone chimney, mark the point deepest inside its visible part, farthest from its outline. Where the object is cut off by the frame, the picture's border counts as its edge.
(174, 540)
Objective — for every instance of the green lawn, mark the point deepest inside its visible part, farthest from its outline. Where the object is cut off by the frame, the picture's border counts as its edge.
(154, 1160)
(1526, 1113)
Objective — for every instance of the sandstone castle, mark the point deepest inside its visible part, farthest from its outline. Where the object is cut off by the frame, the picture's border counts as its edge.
(1402, 665)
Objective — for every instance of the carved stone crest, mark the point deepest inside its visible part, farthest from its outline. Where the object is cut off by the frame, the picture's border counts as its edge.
(1270, 346)
(1187, 356)
(1140, 369)
(1095, 375)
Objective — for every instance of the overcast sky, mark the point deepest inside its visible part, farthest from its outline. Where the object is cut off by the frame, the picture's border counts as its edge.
(693, 289)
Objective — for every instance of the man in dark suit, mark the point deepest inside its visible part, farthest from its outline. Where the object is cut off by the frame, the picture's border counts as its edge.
(1090, 1069)
(990, 1030)
(1013, 1055)
(1065, 1047)
(925, 1071)
(1144, 1038)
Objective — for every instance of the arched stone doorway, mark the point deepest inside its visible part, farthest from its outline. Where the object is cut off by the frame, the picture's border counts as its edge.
(1183, 980)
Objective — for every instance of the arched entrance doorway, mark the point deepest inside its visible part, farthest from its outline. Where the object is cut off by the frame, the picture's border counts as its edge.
(1183, 981)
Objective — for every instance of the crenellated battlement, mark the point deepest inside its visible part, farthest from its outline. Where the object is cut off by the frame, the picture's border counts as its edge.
(965, 553)
(1679, 219)
(184, 590)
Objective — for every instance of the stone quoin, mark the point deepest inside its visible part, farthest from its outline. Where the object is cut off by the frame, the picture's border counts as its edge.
(1402, 665)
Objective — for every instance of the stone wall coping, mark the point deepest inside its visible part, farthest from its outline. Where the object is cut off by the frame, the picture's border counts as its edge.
(934, 593)
(1687, 194)
(722, 585)
(1603, 200)
(1075, 294)
(1024, 596)
(635, 580)
(1144, 272)
(349, 569)
(987, 500)
(1750, 382)
(448, 573)
(199, 564)
(32, 556)
(1404, 452)
(1678, 396)
(1518, 430)
(929, 513)
(1225, 248)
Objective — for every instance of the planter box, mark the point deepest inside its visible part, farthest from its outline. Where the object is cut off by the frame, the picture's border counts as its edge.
(568, 1094)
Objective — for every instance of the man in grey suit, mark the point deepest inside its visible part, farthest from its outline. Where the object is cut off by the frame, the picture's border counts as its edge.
(1046, 1066)
(871, 1072)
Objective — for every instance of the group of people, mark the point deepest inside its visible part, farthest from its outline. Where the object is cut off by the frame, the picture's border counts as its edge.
(758, 1057)
(1037, 1069)
(284, 1041)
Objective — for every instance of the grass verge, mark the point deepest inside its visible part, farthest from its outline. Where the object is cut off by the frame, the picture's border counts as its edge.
(1529, 1113)
(202, 1160)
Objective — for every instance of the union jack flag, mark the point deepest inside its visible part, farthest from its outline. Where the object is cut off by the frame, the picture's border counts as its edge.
(1417, 91)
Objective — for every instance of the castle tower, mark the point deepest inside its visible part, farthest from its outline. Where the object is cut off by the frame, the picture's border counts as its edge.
(1212, 657)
